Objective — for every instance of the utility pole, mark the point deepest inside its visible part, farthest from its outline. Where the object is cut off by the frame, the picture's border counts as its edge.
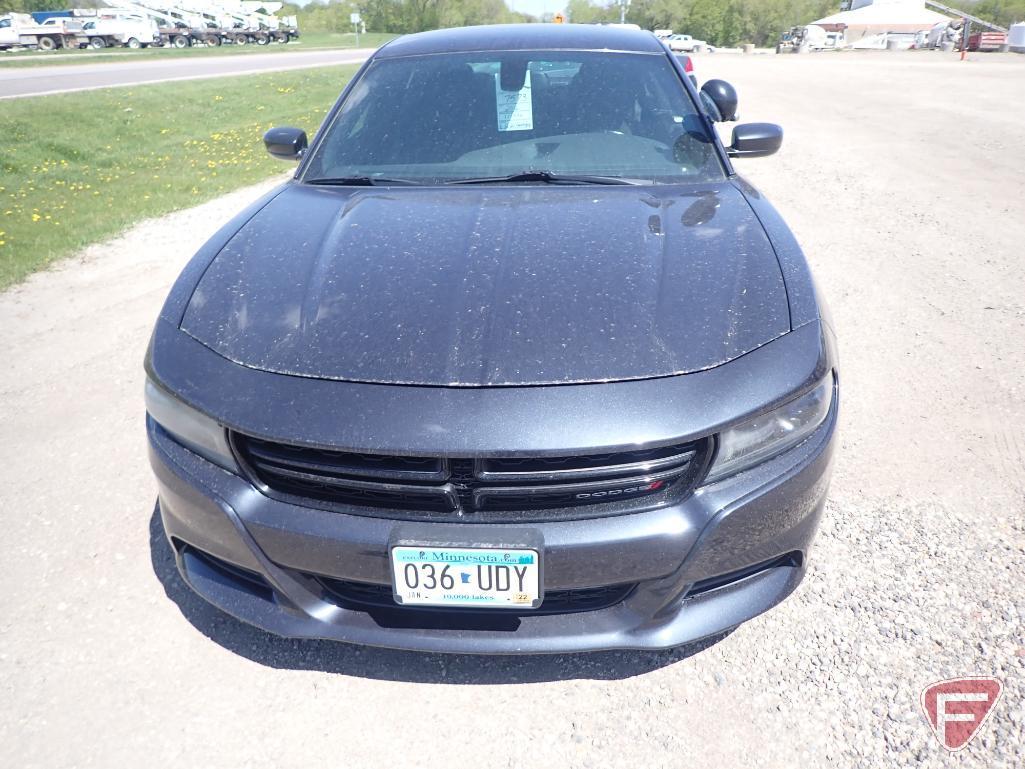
(623, 5)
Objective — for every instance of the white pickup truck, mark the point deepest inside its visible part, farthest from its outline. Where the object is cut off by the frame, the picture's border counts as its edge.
(686, 44)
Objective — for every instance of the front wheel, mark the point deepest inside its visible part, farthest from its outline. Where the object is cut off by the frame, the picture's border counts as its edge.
(133, 43)
(180, 41)
(241, 39)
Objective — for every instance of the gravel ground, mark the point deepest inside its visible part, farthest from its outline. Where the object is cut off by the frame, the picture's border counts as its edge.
(901, 175)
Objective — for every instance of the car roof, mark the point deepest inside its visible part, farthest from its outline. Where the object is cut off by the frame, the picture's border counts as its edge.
(514, 37)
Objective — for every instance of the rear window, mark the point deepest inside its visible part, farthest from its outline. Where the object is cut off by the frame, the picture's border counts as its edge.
(453, 116)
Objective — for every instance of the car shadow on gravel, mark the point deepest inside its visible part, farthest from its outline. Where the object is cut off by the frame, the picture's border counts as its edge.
(389, 664)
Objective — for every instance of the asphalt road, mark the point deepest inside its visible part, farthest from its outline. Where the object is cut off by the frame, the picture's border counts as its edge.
(901, 176)
(37, 81)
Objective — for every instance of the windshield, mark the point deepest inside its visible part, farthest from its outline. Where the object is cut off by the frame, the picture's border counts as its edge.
(455, 117)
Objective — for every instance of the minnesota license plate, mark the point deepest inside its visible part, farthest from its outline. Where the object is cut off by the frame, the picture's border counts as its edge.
(492, 578)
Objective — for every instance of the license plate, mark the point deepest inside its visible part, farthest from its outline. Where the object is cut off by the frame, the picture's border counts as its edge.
(491, 578)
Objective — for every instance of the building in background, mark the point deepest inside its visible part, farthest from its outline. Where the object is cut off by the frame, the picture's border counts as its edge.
(873, 17)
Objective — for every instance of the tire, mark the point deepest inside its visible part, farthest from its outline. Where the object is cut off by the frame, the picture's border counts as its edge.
(47, 44)
(97, 42)
(180, 41)
(213, 41)
(262, 39)
(133, 43)
(280, 37)
(241, 39)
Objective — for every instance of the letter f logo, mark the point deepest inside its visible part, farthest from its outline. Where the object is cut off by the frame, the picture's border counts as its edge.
(957, 708)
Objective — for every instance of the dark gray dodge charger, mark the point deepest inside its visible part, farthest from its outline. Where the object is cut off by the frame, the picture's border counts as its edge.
(515, 363)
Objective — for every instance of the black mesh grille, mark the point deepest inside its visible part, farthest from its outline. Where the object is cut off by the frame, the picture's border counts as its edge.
(311, 489)
(605, 461)
(508, 488)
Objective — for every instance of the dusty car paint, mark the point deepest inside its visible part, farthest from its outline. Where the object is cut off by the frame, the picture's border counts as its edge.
(521, 286)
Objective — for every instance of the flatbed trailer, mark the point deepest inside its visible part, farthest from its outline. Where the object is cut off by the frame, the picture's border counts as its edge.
(987, 41)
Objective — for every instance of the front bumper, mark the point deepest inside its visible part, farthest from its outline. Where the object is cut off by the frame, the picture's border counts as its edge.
(727, 553)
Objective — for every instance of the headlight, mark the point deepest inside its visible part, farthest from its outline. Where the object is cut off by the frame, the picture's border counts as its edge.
(189, 427)
(754, 441)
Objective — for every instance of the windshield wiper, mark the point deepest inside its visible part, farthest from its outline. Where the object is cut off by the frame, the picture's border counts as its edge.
(548, 178)
(360, 181)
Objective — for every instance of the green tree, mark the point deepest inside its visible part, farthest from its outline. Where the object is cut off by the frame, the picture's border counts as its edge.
(586, 12)
(1002, 12)
(28, 6)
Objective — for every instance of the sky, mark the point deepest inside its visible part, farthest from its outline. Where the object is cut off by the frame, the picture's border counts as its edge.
(536, 7)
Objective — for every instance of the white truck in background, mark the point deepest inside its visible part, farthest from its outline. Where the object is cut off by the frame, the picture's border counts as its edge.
(183, 23)
(79, 28)
(686, 44)
(116, 28)
(19, 30)
(142, 23)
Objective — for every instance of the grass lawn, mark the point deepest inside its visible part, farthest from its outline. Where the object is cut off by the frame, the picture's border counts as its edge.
(312, 41)
(80, 167)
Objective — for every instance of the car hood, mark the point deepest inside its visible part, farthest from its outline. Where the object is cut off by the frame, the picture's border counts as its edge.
(493, 285)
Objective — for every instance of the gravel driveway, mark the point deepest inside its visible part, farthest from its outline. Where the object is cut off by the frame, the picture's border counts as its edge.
(902, 176)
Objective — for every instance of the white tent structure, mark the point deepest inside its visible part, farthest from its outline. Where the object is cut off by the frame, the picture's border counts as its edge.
(871, 17)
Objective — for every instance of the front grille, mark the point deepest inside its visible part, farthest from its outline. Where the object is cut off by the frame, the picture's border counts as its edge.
(494, 488)
(363, 596)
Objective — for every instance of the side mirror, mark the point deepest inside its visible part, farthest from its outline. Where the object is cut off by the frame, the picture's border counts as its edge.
(755, 140)
(286, 143)
(723, 97)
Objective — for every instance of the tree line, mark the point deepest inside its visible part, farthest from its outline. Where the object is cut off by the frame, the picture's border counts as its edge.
(719, 22)
(401, 16)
